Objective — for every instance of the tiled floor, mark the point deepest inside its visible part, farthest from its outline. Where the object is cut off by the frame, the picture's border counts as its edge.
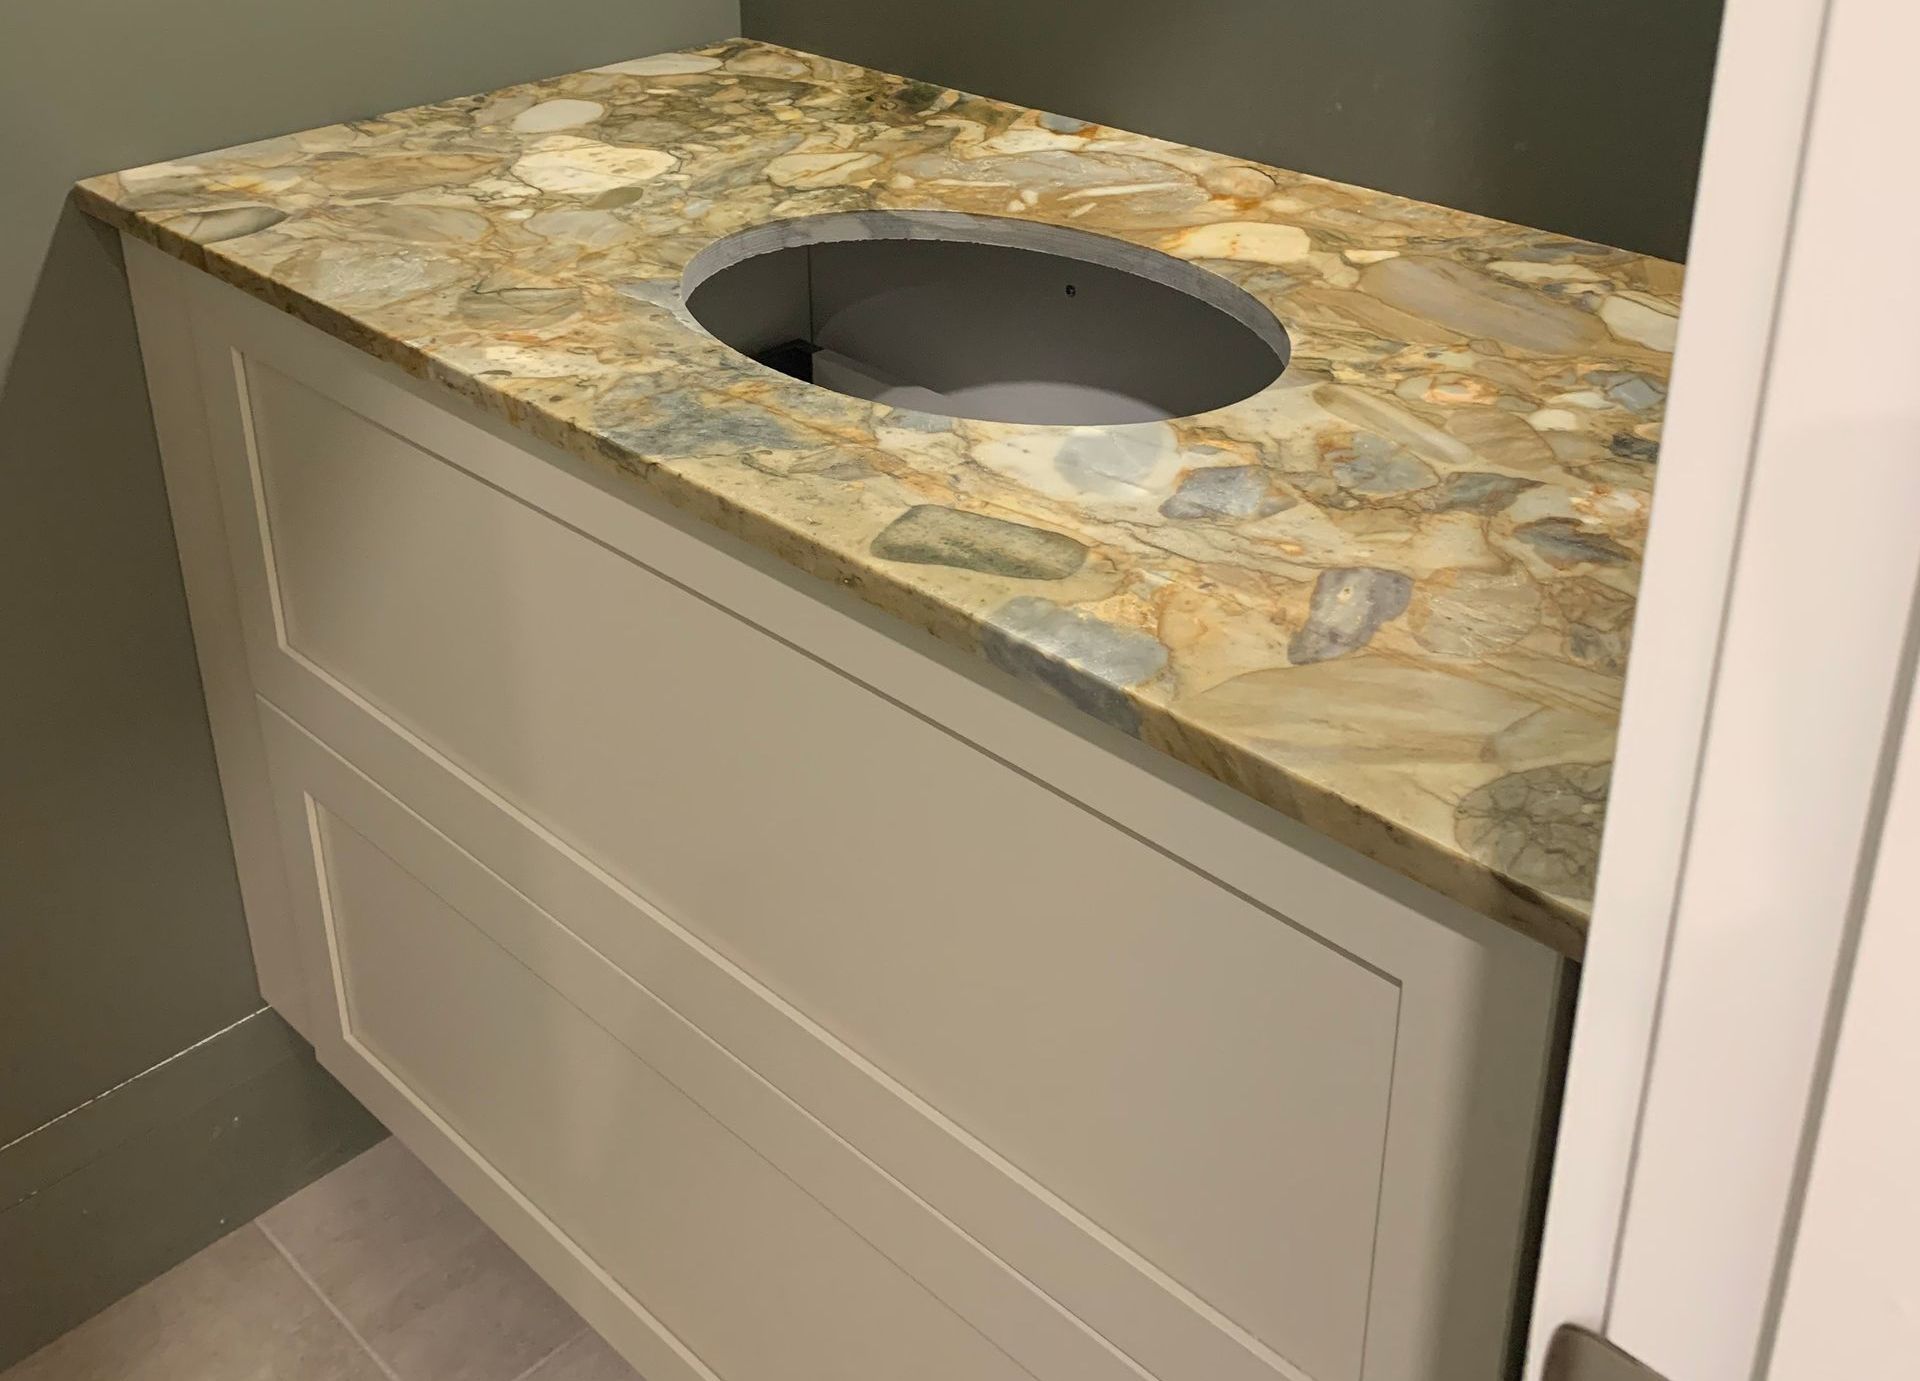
(374, 1273)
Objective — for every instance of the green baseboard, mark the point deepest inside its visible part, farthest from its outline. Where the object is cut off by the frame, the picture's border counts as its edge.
(97, 1203)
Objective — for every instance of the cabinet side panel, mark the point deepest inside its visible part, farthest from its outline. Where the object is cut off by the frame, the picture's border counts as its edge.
(163, 307)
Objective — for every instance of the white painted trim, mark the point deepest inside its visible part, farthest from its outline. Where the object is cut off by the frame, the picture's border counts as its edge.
(1851, 1302)
(1762, 88)
(163, 310)
(1765, 653)
(1810, 668)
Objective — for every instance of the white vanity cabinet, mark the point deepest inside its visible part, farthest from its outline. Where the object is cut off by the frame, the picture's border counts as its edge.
(803, 1000)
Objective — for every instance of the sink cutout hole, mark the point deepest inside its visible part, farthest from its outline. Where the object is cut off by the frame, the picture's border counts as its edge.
(985, 317)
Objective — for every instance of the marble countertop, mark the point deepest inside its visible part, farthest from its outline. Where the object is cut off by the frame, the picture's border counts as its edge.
(1389, 595)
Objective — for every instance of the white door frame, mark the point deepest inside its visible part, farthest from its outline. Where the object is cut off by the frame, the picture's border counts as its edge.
(1768, 658)
(1851, 1300)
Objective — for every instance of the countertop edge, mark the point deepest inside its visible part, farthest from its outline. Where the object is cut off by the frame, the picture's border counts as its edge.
(1554, 921)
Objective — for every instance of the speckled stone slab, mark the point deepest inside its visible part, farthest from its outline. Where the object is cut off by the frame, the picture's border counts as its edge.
(1388, 596)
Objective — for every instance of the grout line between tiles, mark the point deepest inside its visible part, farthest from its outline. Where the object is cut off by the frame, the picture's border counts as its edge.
(554, 1352)
(328, 1304)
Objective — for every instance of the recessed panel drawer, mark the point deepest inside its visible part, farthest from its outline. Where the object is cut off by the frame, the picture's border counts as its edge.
(537, 1054)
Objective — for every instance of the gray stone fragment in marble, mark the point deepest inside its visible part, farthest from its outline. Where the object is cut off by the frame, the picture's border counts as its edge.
(1085, 660)
(1478, 305)
(1636, 392)
(523, 309)
(1634, 448)
(1563, 542)
(1540, 826)
(685, 422)
(1349, 603)
(1463, 612)
(1475, 491)
(935, 535)
(1375, 465)
(907, 420)
(342, 277)
(1599, 621)
(1225, 491)
(1113, 462)
(646, 132)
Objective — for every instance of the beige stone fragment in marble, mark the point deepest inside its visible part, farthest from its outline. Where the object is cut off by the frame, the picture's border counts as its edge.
(1252, 242)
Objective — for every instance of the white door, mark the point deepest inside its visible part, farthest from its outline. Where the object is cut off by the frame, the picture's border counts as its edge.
(1771, 667)
(1850, 1302)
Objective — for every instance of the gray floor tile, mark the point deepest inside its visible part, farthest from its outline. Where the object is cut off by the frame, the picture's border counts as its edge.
(428, 1286)
(586, 1358)
(234, 1312)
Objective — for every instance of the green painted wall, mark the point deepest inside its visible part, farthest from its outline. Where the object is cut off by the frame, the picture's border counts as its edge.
(1576, 117)
(121, 937)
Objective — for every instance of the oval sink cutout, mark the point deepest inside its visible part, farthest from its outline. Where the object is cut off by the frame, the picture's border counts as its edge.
(987, 317)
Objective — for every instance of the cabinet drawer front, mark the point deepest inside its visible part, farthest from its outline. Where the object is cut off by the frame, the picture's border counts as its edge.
(538, 1056)
(1162, 1061)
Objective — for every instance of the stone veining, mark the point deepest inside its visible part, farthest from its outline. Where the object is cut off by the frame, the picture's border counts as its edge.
(1389, 595)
